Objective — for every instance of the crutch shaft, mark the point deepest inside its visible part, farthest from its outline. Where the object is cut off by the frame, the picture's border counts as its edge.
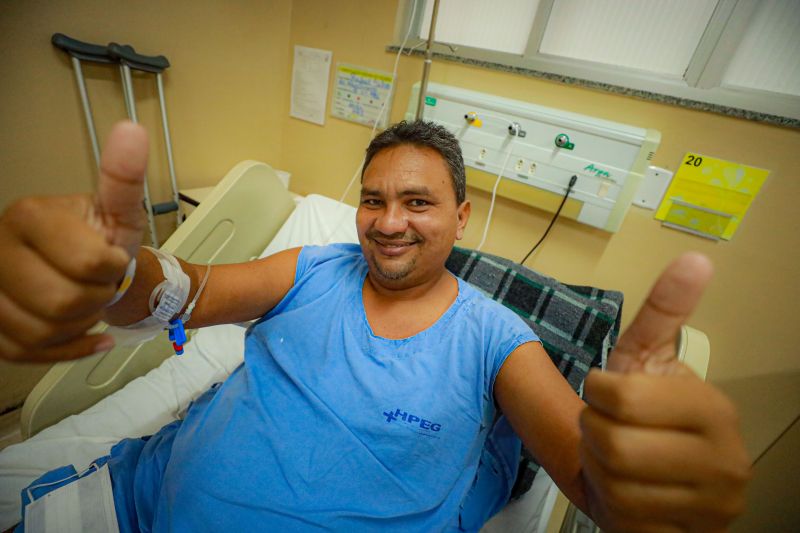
(87, 109)
(168, 142)
(127, 83)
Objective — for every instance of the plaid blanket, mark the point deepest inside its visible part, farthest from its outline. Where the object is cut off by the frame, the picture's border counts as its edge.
(578, 325)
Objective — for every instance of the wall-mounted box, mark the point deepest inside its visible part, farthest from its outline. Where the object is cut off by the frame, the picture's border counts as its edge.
(553, 145)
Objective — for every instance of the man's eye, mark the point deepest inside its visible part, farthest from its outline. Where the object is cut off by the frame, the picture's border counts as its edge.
(418, 203)
(370, 202)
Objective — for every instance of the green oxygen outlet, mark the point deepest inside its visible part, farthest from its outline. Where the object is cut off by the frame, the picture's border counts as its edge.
(562, 141)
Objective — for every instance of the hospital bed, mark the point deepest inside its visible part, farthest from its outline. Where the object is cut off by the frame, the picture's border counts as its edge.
(81, 408)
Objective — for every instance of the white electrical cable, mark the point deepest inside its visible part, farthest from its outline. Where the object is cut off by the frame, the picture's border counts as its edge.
(410, 50)
(357, 172)
(377, 121)
(383, 107)
(494, 194)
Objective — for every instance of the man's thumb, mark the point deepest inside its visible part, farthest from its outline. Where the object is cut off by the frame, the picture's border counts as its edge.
(121, 186)
(649, 342)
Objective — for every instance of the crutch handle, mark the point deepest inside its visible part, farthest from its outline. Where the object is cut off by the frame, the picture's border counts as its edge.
(164, 207)
(128, 56)
(82, 50)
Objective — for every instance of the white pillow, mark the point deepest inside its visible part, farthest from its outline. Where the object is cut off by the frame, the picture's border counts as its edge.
(316, 220)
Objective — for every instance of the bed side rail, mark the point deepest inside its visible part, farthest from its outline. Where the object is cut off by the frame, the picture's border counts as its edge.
(234, 223)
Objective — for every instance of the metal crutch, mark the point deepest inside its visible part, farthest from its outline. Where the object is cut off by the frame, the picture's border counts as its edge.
(79, 50)
(130, 60)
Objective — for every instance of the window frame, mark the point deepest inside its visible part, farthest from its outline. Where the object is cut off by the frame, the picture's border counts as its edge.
(701, 82)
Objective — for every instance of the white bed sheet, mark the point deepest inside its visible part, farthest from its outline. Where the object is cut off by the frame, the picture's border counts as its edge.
(149, 402)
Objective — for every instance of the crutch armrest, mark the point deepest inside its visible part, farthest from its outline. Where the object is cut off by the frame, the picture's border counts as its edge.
(81, 50)
(126, 54)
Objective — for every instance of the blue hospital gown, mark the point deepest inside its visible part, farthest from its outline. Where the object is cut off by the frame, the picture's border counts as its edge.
(327, 426)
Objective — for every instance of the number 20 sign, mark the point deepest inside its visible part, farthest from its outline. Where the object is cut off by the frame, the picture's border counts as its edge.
(709, 196)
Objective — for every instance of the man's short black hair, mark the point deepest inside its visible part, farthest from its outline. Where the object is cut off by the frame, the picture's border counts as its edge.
(427, 134)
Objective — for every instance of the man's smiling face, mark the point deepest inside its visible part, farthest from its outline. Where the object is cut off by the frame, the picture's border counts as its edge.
(408, 217)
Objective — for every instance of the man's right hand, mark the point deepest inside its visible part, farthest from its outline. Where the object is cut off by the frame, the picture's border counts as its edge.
(63, 257)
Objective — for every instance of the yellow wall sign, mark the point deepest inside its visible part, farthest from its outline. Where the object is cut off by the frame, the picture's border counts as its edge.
(710, 196)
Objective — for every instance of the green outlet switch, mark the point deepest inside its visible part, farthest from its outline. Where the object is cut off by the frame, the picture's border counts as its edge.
(562, 141)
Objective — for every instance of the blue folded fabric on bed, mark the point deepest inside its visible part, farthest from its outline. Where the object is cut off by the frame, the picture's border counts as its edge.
(578, 325)
(50, 481)
(121, 463)
(136, 467)
(129, 478)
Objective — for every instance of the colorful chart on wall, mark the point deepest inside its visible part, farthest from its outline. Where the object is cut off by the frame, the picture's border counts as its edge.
(359, 94)
(709, 196)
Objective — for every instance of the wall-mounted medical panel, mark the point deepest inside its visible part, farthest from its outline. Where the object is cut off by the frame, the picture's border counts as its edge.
(542, 148)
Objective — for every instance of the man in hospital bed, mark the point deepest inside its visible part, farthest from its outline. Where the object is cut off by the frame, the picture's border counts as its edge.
(372, 376)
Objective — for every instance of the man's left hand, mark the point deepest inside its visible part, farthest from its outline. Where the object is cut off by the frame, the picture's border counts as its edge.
(660, 448)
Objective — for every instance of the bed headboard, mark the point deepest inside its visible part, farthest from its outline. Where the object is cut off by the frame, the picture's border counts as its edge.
(233, 224)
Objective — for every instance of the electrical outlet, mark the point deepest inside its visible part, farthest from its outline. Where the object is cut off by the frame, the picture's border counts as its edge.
(651, 191)
(532, 168)
(520, 164)
(482, 153)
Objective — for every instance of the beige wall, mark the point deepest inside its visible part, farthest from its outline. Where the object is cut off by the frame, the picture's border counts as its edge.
(225, 93)
(772, 494)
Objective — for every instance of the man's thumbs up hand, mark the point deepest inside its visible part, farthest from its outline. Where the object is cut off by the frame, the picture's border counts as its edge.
(648, 345)
(63, 257)
(660, 448)
(120, 190)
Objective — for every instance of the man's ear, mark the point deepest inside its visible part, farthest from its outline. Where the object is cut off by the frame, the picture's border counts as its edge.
(463, 213)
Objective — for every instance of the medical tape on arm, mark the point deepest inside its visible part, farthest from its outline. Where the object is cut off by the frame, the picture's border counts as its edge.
(171, 293)
(166, 301)
(177, 326)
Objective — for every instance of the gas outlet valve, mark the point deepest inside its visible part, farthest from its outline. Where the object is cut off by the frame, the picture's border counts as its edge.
(516, 129)
(562, 141)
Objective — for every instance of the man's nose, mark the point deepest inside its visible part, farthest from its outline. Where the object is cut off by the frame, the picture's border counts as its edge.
(392, 220)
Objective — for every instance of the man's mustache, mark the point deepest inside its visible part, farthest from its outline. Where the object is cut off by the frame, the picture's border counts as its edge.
(400, 236)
